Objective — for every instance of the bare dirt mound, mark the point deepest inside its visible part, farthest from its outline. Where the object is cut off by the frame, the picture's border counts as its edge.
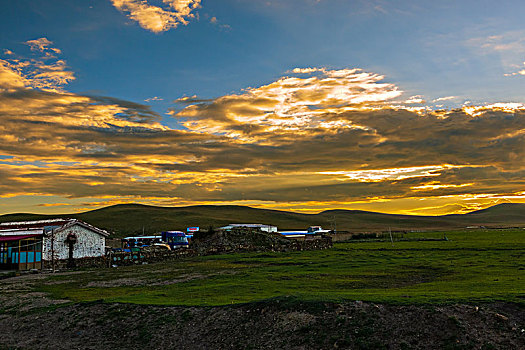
(274, 324)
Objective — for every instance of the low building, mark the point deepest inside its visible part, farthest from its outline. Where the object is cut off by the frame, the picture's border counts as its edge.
(28, 244)
(22, 251)
(262, 227)
(311, 233)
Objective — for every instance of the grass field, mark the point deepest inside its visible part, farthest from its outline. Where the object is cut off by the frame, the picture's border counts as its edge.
(472, 266)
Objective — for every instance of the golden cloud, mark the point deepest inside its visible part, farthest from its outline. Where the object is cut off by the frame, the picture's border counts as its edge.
(46, 72)
(393, 174)
(155, 18)
(290, 105)
(43, 45)
(9, 78)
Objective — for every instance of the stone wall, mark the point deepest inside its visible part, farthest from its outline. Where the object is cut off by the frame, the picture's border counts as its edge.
(247, 239)
(122, 259)
(147, 257)
(98, 261)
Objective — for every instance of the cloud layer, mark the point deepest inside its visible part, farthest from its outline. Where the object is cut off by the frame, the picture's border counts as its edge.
(290, 105)
(44, 71)
(158, 18)
(314, 139)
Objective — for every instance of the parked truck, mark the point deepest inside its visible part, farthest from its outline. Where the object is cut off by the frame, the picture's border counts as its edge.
(169, 239)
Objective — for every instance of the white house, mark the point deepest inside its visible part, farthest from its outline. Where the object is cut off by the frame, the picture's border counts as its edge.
(90, 241)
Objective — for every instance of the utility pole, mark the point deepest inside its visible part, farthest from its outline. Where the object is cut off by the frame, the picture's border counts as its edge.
(53, 249)
(391, 239)
(333, 224)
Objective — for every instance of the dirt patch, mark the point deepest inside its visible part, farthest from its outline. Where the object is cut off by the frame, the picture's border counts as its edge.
(275, 324)
(17, 295)
(132, 282)
(119, 282)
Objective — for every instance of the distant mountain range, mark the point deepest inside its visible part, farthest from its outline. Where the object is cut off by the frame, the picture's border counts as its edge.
(132, 219)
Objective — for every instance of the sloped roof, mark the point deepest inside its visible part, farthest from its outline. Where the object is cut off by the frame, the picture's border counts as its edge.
(33, 224)
(17, 237)
(62, 224)
(85, 225)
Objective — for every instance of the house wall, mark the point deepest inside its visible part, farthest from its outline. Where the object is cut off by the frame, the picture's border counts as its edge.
(89, 244)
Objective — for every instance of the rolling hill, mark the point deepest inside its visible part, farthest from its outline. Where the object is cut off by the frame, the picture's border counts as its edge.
(131, 219)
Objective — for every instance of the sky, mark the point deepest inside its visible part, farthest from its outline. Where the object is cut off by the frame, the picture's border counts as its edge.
(412, 107)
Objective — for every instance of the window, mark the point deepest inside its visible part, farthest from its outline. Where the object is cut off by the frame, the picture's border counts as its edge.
(3, 253)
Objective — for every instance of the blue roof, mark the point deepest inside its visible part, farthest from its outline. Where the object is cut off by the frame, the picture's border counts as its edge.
(288, 233)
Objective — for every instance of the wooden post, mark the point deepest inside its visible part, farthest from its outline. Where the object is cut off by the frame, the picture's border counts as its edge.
(19, 255)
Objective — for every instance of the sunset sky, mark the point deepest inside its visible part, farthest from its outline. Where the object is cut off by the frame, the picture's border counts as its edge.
(407, 106)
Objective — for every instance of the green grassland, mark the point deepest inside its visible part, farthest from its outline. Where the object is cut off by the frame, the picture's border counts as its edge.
(472, 266)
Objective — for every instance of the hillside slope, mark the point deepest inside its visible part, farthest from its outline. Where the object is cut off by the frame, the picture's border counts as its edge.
(126, 219)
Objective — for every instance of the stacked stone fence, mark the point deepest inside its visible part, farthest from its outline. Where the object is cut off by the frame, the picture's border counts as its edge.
(97, 261)
(147, 257)
(253, 240)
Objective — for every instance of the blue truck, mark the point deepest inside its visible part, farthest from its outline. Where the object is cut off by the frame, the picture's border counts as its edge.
(169, 239)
